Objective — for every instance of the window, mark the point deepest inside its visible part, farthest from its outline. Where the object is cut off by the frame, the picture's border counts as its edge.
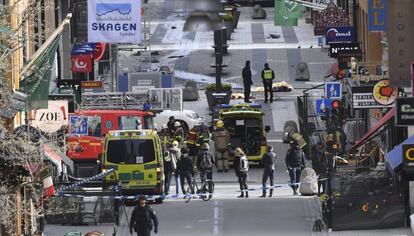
(129, 122)
(94, 126)
(130, 151)
(148, 122)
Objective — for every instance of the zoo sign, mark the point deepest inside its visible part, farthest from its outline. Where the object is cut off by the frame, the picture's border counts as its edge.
(53, 118)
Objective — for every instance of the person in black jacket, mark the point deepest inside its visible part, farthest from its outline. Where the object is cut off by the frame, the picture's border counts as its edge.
(247, 81)
(185, 169)
(295, 163)
(205, 162)
(241, 175)
(268, 160)
(142, 218)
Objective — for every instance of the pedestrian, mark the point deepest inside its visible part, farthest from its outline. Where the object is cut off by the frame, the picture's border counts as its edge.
(178, 133)
(221, 138)
(195, 140)
(205, 161)
(185, 169)
(241, 167)
(295, 163)
(169, 168)
(320, 166)
(247, 81)
(170, 124)
(268, 160)
(267, 77)
(175, 154)
(143, 218)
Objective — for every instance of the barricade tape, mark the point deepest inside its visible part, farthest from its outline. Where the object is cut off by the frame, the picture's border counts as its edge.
(177, 196)
(79, 183)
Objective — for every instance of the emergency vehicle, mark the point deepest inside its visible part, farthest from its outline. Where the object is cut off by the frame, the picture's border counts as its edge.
(244, 122)
(136, 157)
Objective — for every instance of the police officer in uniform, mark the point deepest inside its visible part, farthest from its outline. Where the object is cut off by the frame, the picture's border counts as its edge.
(267, 77)
(143, 218)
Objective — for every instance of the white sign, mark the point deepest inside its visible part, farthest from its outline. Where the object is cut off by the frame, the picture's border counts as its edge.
(53, 118)
(114, 21)
(323, 2)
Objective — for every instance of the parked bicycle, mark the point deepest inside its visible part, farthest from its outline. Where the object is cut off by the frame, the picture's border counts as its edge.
(205, 191)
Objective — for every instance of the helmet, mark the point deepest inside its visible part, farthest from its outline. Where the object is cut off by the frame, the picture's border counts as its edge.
(177, 124)
(175, 144)
(142, 198)
(219, 124)
(205, 146)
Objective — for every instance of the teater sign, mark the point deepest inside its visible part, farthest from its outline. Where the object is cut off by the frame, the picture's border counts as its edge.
(114, 21)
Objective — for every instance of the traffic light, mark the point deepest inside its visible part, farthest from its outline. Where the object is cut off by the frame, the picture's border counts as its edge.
(336, 104)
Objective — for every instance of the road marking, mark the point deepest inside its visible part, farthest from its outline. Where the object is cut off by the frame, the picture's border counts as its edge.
(218, 211)
(275, 141)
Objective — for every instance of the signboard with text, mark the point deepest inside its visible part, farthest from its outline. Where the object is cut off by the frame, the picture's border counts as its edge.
(377, 15)
(335, 48)
(408, 157)
(344, 34)
(92, 86)
(404, 111)
(363, 98)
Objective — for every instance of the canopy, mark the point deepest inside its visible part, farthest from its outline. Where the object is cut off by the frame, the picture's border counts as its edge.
(394, 158)
(387, 117)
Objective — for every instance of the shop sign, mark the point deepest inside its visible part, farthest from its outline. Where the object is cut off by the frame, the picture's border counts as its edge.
(331, 16)
(344, 34)
(92, 86)
(369, 78)
(404, 111)
(334, 48)
(363, 98)
(323, 3)
(408, 157)
(400, 34)
(384, 94)
(53, 118)
(377, 15)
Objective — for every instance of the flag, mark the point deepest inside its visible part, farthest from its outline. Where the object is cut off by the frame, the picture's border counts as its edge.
(48, 187)
(287, 12)
(36, 84)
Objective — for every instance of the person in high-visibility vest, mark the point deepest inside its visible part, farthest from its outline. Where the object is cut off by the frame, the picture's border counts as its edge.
(195, 140)
(267, 77)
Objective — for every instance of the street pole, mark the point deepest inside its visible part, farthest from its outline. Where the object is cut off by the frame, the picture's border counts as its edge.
(219, 60)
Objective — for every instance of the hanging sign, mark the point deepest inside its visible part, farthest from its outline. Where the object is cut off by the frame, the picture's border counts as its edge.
(404, 111)
(381, 95)
(53, 118)
(114, 21)
(333, 90)
(377, 15)
(82, 63)
(344, 34)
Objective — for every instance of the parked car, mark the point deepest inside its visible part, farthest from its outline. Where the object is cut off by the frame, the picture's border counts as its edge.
(187, 118)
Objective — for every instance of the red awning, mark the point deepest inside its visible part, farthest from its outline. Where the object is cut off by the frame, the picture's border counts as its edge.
(374, 129)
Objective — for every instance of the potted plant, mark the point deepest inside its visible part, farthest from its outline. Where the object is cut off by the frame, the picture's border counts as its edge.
(228, 23)
(212, 88)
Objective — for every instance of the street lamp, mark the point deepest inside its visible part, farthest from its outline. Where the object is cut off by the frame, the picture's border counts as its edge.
(205, 17)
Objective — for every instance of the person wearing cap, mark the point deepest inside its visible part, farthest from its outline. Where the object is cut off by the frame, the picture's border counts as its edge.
(185, 169)
(143, 218)
(178, 133)
(175, 154)
(221, 138)
(295, 163)
(205, 162)
(267, 77)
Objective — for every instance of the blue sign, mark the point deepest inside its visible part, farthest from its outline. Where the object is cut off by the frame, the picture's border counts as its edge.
(377, 15)
(338, 34)
(333, 90)
(78, 125)
(323, 104)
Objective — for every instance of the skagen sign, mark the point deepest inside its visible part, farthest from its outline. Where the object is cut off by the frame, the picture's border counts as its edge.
(400, 37)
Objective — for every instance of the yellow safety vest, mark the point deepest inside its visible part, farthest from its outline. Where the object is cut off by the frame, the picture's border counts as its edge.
(267, 74)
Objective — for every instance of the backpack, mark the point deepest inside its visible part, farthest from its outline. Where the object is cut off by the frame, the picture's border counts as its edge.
(244, 164)
(205, 161)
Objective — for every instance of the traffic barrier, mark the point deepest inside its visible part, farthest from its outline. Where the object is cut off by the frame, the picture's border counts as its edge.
(79, 183)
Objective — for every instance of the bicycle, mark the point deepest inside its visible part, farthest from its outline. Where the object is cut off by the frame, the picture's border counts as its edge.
(206, 190)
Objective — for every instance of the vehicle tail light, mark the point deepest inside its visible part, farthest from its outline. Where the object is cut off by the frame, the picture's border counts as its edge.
(263, 141)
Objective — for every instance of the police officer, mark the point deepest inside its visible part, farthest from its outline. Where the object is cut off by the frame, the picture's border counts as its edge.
(268, 160)
(295, 163)
(221, 138)
(143, 218)
(267, 77)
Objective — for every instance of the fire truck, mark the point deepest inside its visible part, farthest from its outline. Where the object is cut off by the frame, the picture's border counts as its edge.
(100, 113)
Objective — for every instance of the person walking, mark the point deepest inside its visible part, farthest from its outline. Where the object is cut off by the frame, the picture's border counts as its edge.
(268, 160)
(267, 77)
(185, 169)
(143, 218)
(170, 126)
(221, 138)
(295, 163)
(205, 161)
(247, 81)
(175, 154)
(241, 167)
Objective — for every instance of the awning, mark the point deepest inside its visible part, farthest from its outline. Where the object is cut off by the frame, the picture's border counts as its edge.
(393, 159)
(374, 129)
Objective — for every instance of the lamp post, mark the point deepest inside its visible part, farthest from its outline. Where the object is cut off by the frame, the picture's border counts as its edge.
(204, 18)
